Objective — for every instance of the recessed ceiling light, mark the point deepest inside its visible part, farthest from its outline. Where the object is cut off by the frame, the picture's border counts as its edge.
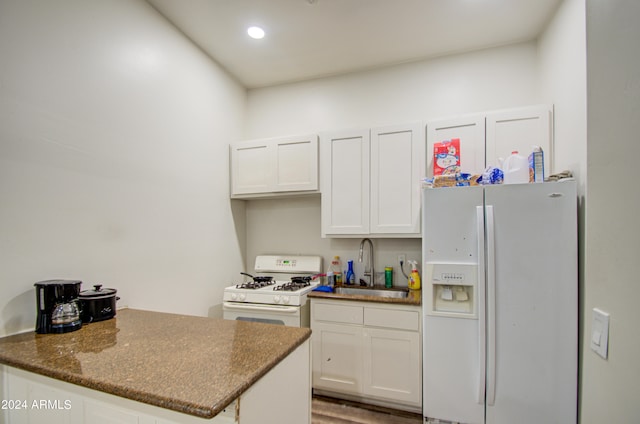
(255, 32)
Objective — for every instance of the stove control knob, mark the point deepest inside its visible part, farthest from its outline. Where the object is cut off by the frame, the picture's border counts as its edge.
(285, 299)
(242, 296)
(276, 298)
(234, 296)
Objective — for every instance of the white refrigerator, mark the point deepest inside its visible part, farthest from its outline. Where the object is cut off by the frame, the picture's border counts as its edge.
(500, 304)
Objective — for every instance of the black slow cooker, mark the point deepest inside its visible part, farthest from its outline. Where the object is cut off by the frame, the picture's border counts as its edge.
(97, 304)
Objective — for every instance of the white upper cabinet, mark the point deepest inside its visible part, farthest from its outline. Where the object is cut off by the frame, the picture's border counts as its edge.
(250, 170)
(469, 130)
(519, 129)
(370, 181)
(275, 166)
(397, 165)
(345, 159)
(487, 137)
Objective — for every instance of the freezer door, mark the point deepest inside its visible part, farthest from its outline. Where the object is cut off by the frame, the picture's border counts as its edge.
(532, 346)
(453, 382)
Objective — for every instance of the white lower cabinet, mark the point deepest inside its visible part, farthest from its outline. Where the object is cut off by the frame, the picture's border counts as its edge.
(337, 359)
(392, 361)
(370, 352)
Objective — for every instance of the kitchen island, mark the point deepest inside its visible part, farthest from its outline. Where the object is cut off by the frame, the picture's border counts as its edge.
(159, 367)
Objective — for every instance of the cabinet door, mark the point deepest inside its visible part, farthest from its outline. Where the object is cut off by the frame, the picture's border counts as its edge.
(345, 160)
(519, 129)
(337, 357)
(102, 413)
(34, 403)
(296, 163)
(392, 365)
(397, 164)
(470, 130)
(251, 170)
(275, 165)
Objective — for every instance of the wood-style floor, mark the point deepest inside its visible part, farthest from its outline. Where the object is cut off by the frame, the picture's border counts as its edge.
(333, 411)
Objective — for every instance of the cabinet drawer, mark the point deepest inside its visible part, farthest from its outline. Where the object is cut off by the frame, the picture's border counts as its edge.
(389, 318)
(348, 314)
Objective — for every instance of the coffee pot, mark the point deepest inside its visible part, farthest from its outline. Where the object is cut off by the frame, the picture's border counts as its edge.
(57, 306)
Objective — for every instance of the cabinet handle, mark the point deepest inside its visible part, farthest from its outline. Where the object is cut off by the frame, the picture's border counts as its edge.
(481, 305)
(491, 311)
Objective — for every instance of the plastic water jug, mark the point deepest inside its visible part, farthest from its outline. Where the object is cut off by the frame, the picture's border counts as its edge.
(516, 169)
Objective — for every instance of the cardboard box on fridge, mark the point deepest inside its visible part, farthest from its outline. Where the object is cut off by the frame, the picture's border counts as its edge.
(446, 157)
(536, 165)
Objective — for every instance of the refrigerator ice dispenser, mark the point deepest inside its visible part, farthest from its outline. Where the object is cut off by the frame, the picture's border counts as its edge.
(450, 289)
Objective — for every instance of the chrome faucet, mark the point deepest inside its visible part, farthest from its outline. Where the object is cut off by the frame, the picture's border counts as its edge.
(370, 272)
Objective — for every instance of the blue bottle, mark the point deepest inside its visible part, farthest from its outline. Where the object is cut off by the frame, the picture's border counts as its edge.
(351, 277)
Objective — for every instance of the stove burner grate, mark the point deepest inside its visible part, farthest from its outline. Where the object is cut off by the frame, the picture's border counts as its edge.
(295, 285)
(301, 280)
(257, 284)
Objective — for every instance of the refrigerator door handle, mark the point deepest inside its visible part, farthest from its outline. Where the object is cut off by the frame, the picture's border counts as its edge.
(491, 308)
(482, 360)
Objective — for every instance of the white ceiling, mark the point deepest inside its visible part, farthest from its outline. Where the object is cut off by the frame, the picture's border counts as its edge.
(316, 38)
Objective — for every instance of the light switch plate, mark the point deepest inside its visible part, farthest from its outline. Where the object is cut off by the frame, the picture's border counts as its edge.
(600, 332)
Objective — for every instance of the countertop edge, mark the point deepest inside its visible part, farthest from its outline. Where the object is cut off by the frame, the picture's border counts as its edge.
(417, 301)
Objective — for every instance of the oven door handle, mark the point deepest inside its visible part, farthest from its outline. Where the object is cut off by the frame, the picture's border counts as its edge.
(256, 307)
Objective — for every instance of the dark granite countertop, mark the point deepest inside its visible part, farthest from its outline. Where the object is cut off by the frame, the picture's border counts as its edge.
(193, 365)
(414, 298)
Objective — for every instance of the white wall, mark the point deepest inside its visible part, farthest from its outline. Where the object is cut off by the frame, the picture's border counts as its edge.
(610, 387)
(473, 82)
(563, 81)
(114, 134)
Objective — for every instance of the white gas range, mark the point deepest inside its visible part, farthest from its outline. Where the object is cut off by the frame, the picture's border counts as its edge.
(276, 293)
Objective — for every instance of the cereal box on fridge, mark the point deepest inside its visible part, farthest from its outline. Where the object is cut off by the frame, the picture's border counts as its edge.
(446, 157)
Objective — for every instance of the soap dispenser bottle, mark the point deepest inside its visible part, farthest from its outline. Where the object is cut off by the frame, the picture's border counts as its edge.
(414, 277)
(351, 277)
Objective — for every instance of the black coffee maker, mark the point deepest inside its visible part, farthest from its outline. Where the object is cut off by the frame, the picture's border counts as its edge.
(58, 306)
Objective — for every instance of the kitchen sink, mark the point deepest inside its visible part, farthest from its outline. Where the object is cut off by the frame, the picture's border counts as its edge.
(373, 291)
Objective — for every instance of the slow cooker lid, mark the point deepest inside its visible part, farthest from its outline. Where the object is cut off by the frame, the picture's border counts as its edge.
(98, 291)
